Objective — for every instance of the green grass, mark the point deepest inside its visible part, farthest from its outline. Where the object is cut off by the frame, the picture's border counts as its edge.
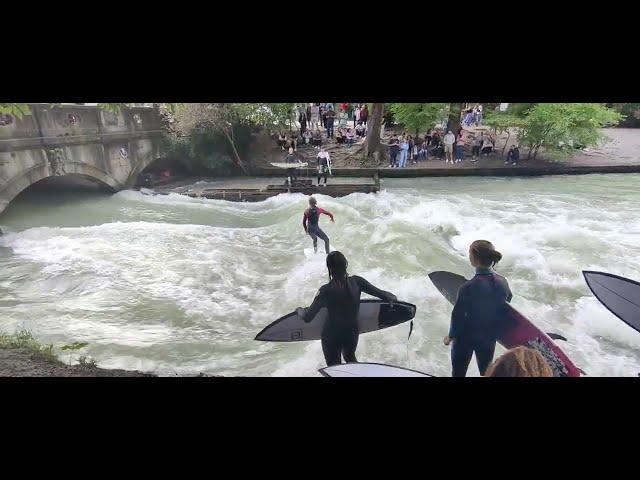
(24, 339)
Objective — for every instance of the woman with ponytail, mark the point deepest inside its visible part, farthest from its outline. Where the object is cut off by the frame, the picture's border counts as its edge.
(341, 296)
(479, 314)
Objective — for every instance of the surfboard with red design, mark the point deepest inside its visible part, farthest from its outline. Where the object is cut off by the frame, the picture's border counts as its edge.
(520, 332)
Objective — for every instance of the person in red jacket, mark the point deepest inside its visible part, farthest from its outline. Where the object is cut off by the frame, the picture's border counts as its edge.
(310, 224)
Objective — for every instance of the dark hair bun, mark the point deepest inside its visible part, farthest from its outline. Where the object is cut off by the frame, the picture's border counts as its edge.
(485, 253)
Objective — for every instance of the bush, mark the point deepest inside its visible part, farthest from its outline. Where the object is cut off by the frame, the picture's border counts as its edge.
(24, 339)
(209, 152)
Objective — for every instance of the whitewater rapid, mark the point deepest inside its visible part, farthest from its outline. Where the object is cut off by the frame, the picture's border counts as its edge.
(179, 285)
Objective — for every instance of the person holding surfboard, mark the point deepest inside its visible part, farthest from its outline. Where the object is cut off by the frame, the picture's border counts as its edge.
(310, 224)
(341, 297)
(293, 172)
(324, 165)
(478, 314)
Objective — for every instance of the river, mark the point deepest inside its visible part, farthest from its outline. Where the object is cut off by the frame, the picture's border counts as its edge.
(178, 285)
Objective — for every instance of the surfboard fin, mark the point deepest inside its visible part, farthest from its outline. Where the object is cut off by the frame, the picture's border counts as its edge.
(410, 330)
(582, 372)
(556, 336)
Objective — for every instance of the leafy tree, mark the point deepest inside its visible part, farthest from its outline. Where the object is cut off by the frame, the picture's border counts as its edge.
(561, 127)
(418, 116)
(227, 118)
(502, 122)
(631, 111)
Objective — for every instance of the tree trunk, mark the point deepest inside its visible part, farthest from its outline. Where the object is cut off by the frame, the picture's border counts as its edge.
(239, 161)
(530, 151)
(506, 141)
(455, 109)
(372, 142)
(535, 153)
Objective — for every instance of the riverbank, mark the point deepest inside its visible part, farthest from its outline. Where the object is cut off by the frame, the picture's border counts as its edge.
(620, 155)
(22, 362)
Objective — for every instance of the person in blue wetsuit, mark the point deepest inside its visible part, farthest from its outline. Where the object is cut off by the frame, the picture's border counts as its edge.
(479, 313)
(341, 297)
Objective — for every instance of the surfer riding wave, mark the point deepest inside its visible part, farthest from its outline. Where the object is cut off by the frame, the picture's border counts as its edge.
(310, 224)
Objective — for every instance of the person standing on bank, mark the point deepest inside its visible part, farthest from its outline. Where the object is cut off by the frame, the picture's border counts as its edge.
(324, 165)
(394, 149)
(341, 297)
(364, 114)
(513, 156)
(330, 119)
(460, 147)
(479, 313)
(293, 171)
(448, 140)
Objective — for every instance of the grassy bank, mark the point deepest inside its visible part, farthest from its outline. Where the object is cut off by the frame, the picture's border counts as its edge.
(22, 355)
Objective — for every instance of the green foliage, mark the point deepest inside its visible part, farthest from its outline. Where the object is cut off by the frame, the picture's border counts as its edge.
(24, 339)
(519, 109)
(207, 152)
(417, 116)
(561, 127)
(631, 112)
(502, 121)
(18, 110)
(74, 346)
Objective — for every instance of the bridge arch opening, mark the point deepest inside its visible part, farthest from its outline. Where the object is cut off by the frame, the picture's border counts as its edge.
(162, 170)
(68, 185)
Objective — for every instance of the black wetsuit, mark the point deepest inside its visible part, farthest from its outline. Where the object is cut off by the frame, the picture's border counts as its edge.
(340, 333)
(476, 320)
(293, 172)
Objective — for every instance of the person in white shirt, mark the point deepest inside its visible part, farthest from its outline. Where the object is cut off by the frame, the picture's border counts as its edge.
(356, 115)
(478, 115)
(324, 165)
(449, 139)
(315, 116)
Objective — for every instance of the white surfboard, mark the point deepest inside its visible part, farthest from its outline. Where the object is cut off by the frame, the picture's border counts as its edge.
(372, 315)
(319, 255)
(289, 165)
(369, 370)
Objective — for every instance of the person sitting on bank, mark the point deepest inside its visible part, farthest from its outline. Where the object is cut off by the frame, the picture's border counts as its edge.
(479, 314)
(360, 129)
(340, 136)
(306, 136)
(475, 148)
(520, 362)
(513, 156)
(316, 138)
(487, 145)
(350, 136)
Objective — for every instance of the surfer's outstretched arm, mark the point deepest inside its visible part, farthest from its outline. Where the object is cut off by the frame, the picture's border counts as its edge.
(375, 291)
(326, 212)
(305, 218)
(318, 302)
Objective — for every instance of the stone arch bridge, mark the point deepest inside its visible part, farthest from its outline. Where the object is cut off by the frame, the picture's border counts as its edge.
(75, 140)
